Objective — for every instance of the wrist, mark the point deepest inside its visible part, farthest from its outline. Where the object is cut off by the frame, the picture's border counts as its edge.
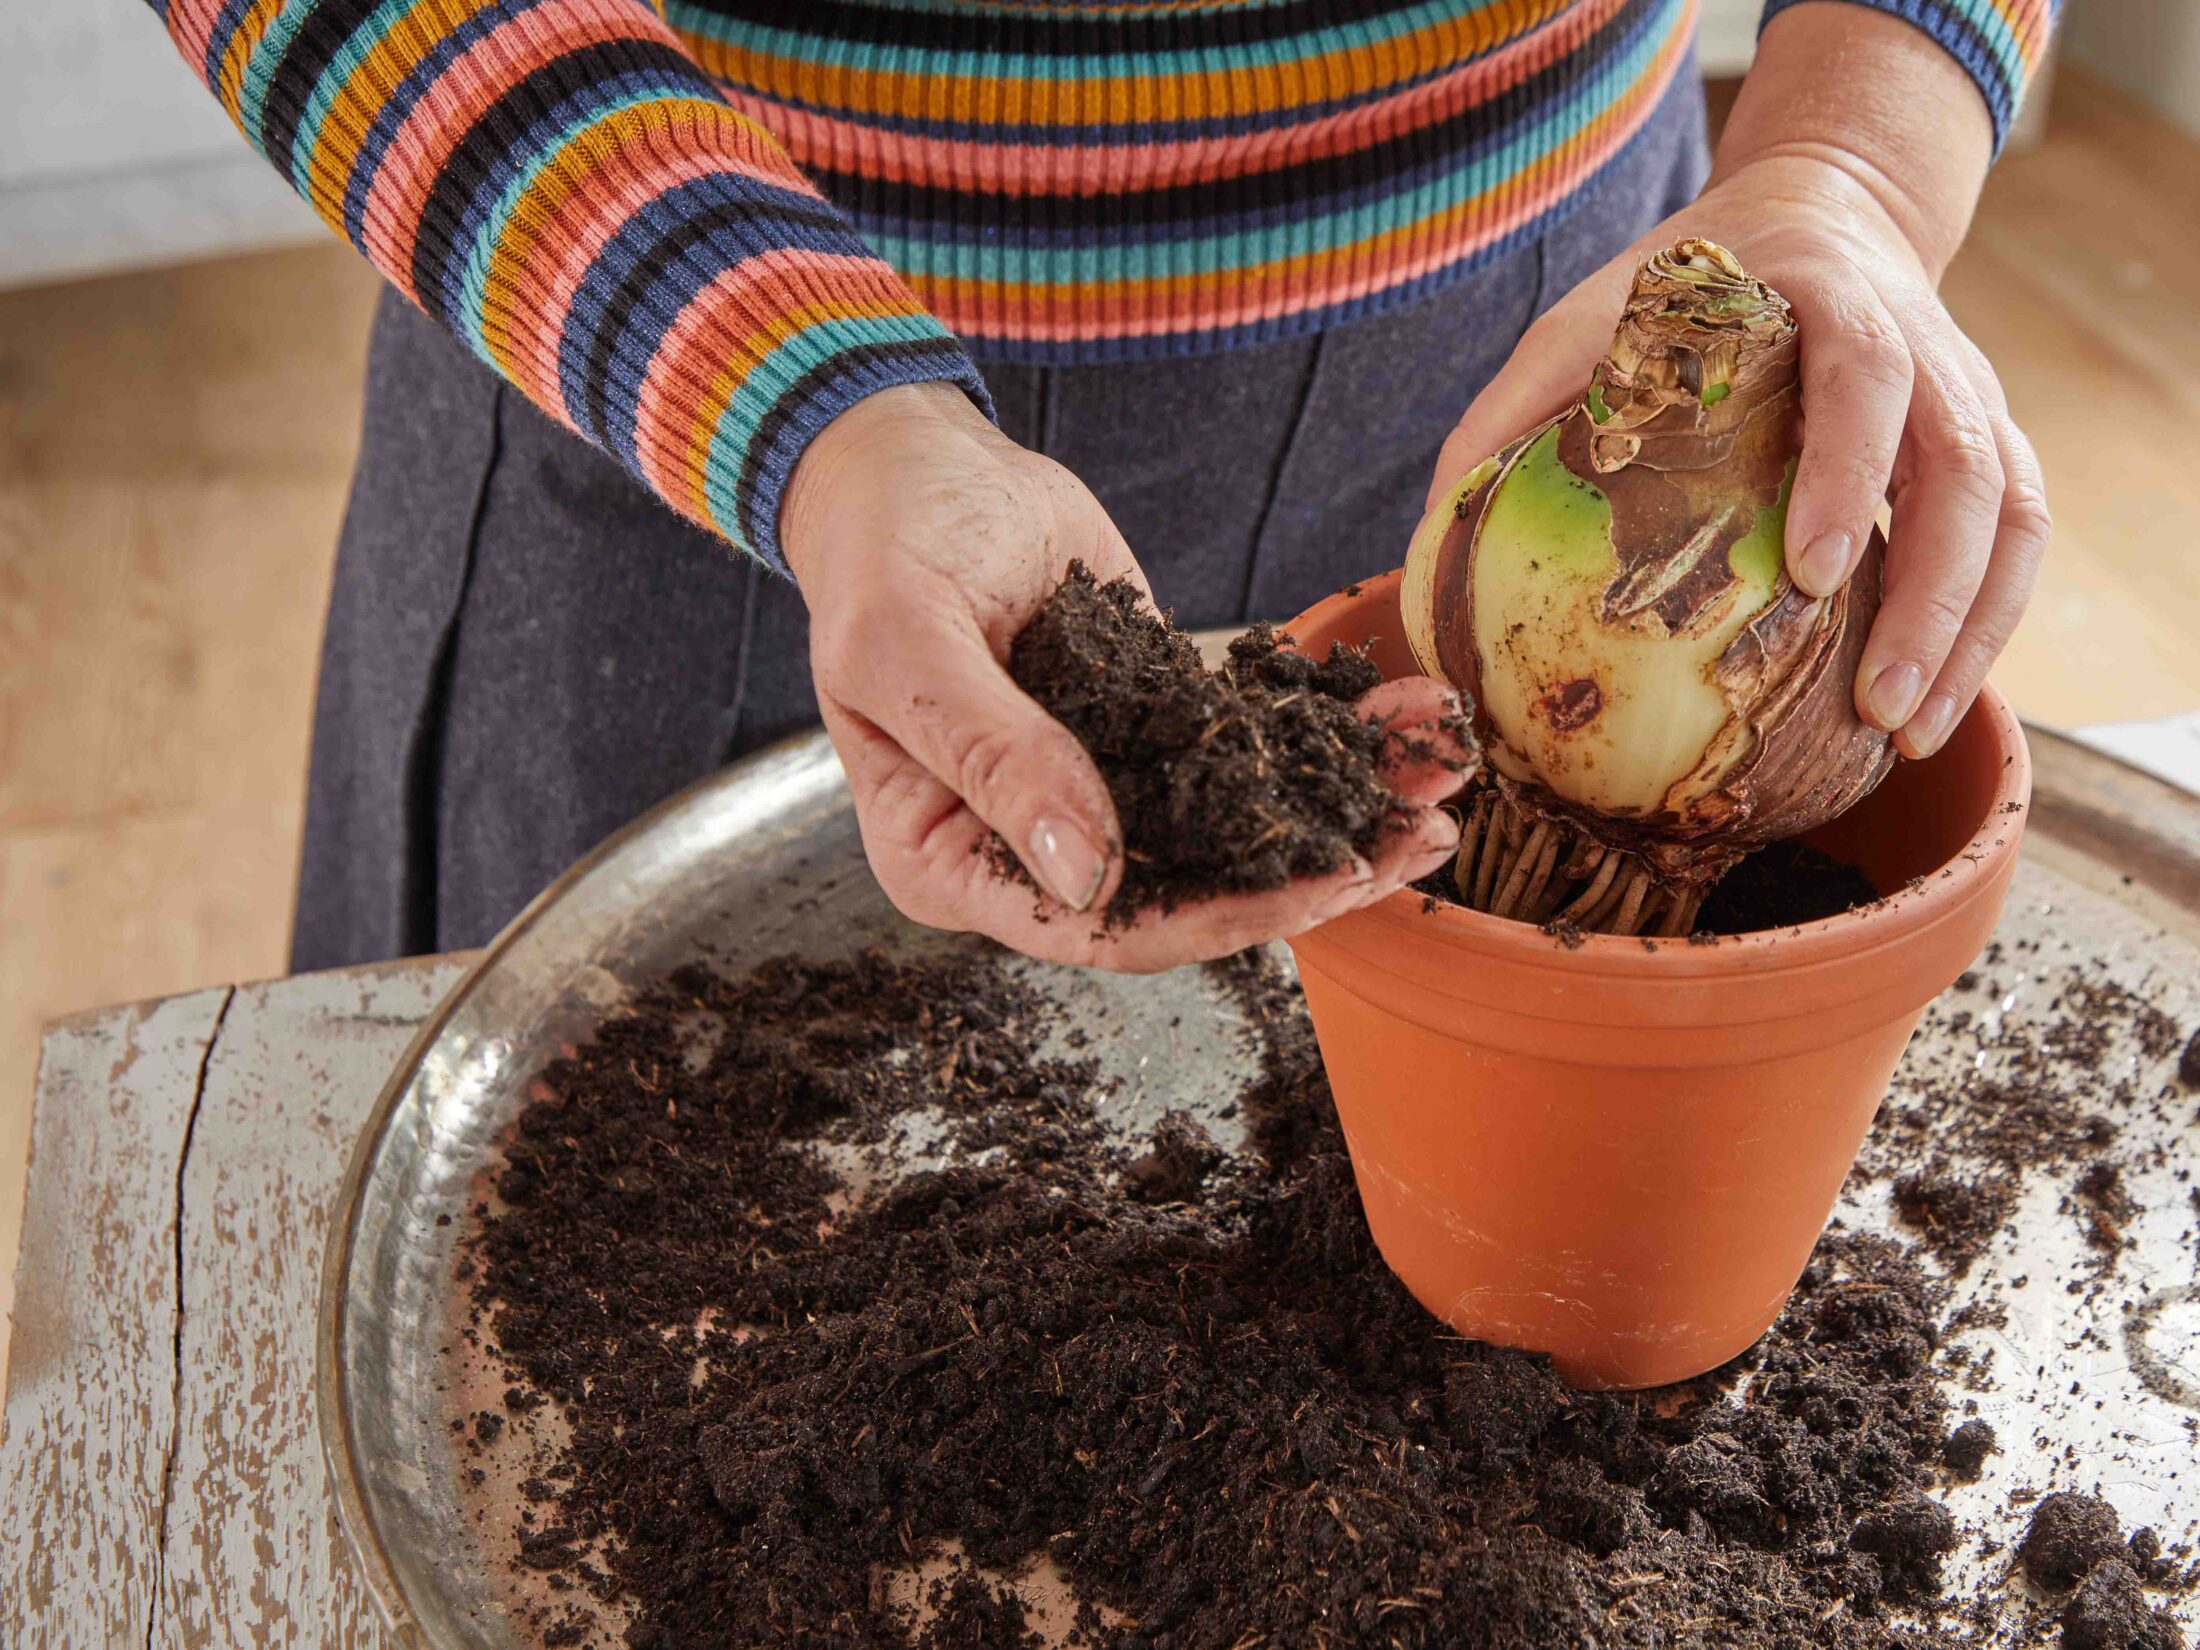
(835, 458)
(1857, 108)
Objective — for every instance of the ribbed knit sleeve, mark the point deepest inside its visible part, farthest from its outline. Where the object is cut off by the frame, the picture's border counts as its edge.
(560, 185)
(2000, 42)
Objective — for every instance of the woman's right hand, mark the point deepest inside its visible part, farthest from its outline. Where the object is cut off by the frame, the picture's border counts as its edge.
(923, 539)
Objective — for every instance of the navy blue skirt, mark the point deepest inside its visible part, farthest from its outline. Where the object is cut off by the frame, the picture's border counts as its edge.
(525, 649)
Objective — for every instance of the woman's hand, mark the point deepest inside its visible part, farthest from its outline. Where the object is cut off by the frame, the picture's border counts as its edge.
(923, 539)
(1844, 181)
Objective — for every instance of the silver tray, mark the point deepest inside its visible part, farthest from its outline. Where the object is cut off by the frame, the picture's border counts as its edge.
(2100, 1388)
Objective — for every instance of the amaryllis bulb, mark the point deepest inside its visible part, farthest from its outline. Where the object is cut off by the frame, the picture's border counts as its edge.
(1655, 696)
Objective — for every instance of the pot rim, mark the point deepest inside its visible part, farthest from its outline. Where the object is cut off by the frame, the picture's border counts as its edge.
(1893, 919)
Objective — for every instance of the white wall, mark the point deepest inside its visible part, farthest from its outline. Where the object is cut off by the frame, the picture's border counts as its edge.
(2149, 48)
(113, 155)
(1726, 35)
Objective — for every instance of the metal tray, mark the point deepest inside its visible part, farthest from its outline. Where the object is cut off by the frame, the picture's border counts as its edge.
(2100, 1387)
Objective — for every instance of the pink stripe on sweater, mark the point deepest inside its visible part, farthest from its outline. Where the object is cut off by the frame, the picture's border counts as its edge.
(462, 94)
(191, 27)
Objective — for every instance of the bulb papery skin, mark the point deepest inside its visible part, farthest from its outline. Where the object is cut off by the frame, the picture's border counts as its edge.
(1611, 590)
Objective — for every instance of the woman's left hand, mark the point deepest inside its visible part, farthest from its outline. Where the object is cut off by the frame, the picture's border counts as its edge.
(1897, 404)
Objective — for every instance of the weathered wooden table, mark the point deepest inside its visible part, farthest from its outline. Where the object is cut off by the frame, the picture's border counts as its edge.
(161, 1480)
(161, 1477)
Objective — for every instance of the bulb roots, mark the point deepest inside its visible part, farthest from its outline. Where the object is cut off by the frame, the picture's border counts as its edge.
(1534, 868)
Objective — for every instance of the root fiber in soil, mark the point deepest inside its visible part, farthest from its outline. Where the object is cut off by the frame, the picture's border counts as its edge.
(1779, 886)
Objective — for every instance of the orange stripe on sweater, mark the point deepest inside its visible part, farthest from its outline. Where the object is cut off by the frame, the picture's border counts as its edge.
(535, 277)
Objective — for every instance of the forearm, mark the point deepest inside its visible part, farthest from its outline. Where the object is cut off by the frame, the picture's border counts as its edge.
(1847, 102)
(561, 186)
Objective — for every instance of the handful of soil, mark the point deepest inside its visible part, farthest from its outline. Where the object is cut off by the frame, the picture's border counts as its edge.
(1236, 781)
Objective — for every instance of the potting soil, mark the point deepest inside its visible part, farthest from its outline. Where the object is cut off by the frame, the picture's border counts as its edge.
(1231, 781)
(1178, 1381)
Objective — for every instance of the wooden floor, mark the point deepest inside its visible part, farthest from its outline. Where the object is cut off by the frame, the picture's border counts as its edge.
(173, 455)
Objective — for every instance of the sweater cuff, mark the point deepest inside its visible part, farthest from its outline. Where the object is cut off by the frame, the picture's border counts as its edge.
(788, 397)
(1998, 42)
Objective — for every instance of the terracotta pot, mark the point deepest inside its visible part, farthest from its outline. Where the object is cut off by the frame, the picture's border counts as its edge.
(1623, 1155)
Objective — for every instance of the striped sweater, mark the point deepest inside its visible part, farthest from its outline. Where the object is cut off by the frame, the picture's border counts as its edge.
(696, 233)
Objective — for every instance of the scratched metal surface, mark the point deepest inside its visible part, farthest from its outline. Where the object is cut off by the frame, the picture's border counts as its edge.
(2096, 1387)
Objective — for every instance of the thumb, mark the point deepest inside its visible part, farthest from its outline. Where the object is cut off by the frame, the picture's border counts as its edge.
(1548, 368)
(961, 717)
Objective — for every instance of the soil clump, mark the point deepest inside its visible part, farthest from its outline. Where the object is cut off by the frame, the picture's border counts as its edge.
(1956, 1215)
(2068, 1535)
(1967, 1448)
(2111, 1611)
(1238, 780)
(2076, 1542)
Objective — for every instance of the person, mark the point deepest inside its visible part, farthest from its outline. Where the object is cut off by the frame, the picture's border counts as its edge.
(913, 301)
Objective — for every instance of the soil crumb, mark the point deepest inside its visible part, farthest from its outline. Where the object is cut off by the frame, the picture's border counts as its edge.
(1179, 1377)
(1235, 781)
(1967, 1448)
(2104, 1206)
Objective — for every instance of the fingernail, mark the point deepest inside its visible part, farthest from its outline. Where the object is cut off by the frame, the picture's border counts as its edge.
(1067, 862)
(1893, 694)
(1825, 562)
(1930, 725)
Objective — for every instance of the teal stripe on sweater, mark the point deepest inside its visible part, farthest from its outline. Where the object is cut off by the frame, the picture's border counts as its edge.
(343, 64)
(260, 65)
(1993, 26)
